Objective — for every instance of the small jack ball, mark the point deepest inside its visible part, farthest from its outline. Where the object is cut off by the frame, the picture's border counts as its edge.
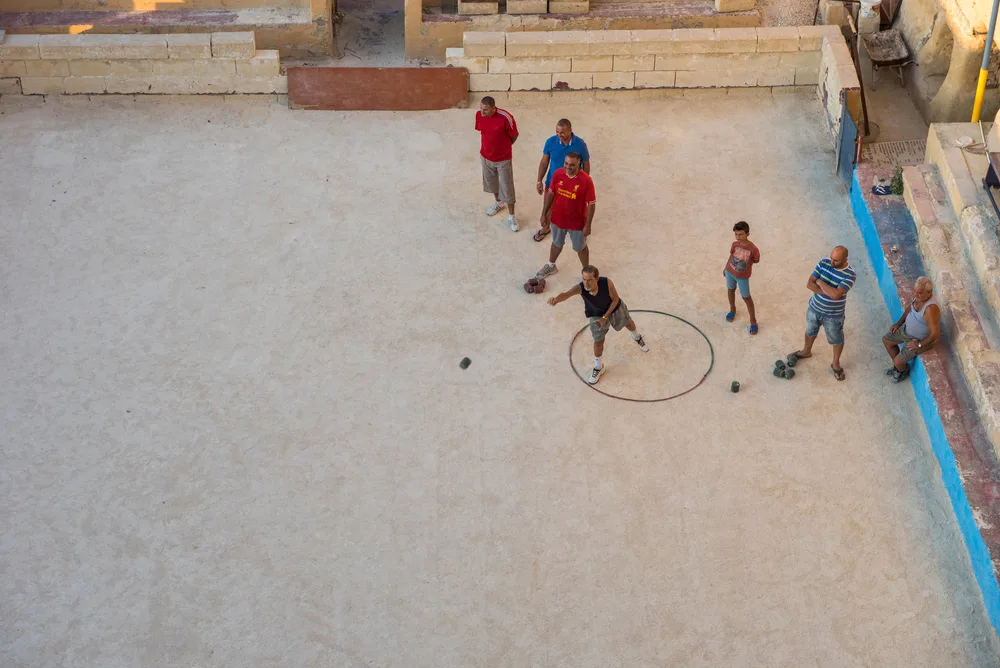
(465, 363)
(735, 387)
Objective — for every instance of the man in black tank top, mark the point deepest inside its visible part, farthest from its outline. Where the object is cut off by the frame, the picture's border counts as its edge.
(605, 309)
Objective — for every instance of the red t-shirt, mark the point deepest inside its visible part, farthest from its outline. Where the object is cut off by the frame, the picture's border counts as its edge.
(741, 259)
(569, 208)
(498, 132)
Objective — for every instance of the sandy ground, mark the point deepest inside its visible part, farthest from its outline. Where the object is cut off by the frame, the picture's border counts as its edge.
(235, 432)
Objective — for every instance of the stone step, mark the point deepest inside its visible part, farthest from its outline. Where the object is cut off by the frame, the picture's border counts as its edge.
(969, 304)
(961, 171)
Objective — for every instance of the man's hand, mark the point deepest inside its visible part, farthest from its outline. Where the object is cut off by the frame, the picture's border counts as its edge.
(553, 301)
(913, 345)
(540, 187)
(586, 230)
(604, 322)
(894, 328)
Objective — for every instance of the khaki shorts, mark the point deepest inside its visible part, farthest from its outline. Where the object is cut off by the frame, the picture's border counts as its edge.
(498, 179)
(901, 338)
(620, 318)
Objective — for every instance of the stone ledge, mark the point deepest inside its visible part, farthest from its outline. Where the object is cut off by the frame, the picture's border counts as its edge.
(968, 468)
(943, 251)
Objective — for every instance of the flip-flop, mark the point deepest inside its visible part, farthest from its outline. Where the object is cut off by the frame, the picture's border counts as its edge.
(838, 374)
(754, 329)
(730, 316)
(541, 234)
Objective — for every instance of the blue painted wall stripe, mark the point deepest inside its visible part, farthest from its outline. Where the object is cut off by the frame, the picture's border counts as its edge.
(979, 555)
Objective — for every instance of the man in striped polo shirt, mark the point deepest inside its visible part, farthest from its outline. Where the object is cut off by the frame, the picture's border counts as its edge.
(830, 281)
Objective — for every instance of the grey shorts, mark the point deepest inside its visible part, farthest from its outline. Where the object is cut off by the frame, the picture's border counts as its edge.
(901, 338)
(498, 178)
(576, 237)
(618, 319)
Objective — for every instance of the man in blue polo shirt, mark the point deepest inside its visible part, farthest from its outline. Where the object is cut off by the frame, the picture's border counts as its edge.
(553, 158)
(829, 283)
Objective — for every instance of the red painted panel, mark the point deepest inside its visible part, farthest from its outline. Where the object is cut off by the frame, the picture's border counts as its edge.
(377, 88)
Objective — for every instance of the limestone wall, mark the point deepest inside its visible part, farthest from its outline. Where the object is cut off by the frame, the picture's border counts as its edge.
(625, 59)
(225, 62)
(838, 82)
(141, 5)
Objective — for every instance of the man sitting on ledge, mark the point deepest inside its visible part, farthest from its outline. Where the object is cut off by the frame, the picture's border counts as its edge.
(914, 333)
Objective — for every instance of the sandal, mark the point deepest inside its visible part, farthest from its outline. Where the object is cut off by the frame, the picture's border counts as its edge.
(541, 234)
(838, 373)
(730, 316)
(754, 329)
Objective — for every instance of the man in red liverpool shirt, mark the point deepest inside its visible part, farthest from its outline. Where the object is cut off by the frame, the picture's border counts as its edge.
(572, 200)
(499, 132)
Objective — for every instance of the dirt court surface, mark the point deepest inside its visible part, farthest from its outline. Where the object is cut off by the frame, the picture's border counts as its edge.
(235, 431)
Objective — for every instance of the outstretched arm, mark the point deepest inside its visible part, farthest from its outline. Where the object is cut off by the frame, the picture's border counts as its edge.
(563, 296)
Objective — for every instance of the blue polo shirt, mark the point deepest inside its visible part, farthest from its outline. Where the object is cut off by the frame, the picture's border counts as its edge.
(557, 151)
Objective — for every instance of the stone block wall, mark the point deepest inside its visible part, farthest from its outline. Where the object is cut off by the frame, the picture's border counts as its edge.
(222, 62)
(635, 59)
(838, 82)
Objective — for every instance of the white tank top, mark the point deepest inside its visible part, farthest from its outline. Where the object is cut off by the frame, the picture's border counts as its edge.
(916, 326)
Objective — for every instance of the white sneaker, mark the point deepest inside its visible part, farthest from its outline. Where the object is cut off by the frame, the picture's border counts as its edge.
(512, 223)
(547, 270)
(495, 208)
(596, 374)
(641, 342)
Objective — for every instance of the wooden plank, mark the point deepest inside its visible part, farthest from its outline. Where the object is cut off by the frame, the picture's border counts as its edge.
(377, 88)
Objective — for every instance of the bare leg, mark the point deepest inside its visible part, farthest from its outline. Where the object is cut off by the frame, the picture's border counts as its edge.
(598, 348)
(899, 363)
(837, 349)
(749, 302)
(732, 300)
(807, 348)
(584, 256)
(891, 348)
(554, 253)
(510, 207)
(630, 326)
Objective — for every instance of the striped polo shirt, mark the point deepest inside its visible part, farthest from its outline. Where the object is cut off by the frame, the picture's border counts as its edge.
(837, 278)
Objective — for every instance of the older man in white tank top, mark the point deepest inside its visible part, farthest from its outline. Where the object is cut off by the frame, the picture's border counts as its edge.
(914, 333)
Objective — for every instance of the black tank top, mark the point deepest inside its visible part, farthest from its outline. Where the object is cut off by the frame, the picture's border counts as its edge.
(597, 305)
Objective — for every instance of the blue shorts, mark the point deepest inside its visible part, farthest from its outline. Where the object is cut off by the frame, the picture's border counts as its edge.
(832, 325)
(732, 282)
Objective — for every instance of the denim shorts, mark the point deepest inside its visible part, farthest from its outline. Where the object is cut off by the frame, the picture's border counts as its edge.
(832, 325)
(732, 282)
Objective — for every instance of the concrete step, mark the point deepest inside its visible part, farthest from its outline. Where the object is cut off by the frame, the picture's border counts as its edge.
(961, 171)
(969, 304)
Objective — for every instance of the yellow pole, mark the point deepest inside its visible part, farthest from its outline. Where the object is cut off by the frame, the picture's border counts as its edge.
(977, 107)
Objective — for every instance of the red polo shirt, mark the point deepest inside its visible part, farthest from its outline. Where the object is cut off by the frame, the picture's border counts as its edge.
(569, 208)
(498, 132)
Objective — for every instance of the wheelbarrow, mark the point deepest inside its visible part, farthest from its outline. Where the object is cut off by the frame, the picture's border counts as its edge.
(887, 49)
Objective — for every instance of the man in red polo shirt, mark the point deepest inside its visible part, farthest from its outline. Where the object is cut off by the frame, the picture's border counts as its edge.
(572, 199)
(499, 132)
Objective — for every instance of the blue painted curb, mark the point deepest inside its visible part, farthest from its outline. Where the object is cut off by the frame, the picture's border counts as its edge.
(982, 566)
